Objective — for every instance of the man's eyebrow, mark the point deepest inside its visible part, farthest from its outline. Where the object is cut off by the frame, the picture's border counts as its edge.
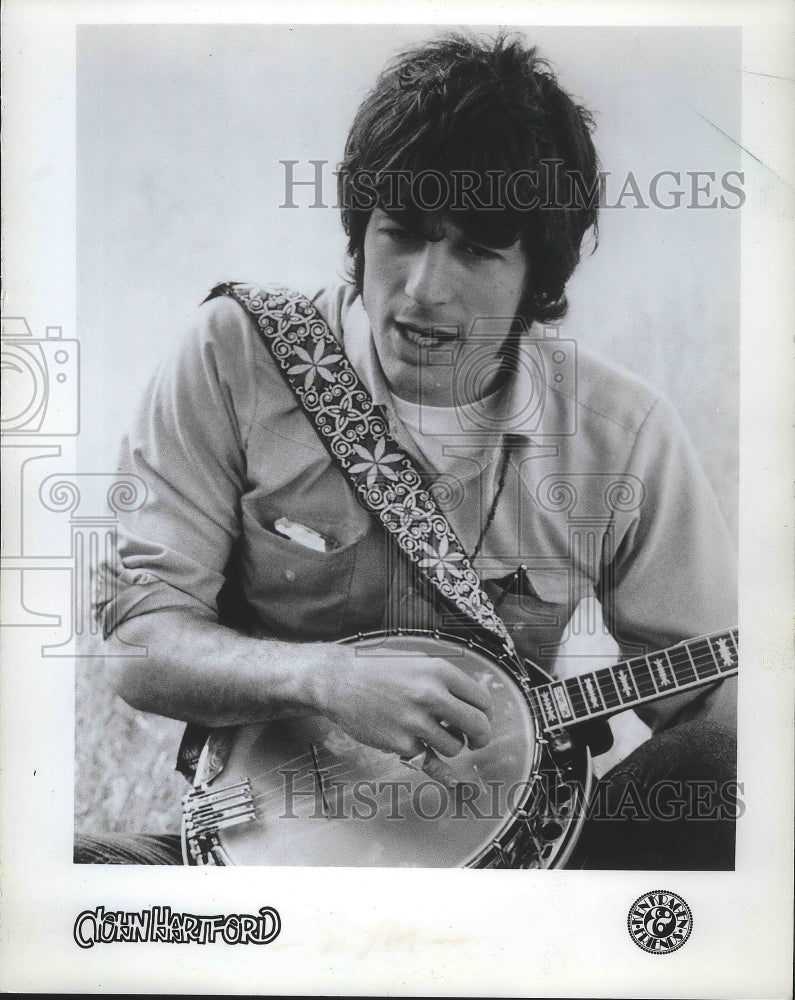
(486, 245)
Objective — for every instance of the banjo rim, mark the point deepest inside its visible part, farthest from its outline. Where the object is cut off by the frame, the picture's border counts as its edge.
(210, 848)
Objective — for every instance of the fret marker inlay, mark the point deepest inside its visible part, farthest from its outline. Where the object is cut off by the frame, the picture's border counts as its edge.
(563, 704)
(591, 692)
(546, 701)
(661, 672)
(725, 654)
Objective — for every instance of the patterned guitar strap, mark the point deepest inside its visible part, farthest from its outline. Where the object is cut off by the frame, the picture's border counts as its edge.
(354, 431)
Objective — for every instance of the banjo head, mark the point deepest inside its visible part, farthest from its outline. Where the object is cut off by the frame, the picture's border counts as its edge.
(319, 797)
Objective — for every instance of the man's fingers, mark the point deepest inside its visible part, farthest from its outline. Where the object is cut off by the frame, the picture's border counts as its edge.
(461, 704)
(464, 722)
(443, 740)
(475, 725)
(468, 690)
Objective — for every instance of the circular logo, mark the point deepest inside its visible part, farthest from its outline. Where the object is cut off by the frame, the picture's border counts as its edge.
(659, 922)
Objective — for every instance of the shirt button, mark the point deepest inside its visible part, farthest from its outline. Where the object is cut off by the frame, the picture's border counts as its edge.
(289, 574)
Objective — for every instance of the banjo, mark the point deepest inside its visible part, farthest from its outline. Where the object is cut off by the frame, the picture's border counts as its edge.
(301, 791)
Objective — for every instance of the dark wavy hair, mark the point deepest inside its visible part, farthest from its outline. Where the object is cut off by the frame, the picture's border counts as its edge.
(492, 108)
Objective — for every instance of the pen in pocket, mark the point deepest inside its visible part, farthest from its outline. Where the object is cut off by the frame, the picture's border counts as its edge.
(303, 535)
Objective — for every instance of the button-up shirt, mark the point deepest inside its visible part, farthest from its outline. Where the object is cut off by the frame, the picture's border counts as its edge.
(603, 497)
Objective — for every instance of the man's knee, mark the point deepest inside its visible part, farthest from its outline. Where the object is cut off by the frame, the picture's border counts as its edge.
(128, 849)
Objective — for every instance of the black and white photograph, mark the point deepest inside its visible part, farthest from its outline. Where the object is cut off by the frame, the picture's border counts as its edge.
(387, 500)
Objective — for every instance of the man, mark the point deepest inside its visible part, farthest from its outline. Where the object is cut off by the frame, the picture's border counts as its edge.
(468, 186)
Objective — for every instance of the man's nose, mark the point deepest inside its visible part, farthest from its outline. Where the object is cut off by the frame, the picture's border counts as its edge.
(429, 277)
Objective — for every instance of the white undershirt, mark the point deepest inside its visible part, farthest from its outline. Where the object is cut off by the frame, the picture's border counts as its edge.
(439, 432)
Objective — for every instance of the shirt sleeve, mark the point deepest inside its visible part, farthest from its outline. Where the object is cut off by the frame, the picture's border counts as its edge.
(672, 574)
(188, 445)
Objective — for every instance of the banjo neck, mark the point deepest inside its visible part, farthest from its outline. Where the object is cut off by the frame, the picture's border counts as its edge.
(609, 690)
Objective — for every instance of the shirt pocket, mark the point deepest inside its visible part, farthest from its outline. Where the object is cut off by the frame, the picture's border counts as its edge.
(299, 592)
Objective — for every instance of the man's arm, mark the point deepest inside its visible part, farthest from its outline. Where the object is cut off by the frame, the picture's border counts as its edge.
(189, 446)
(199, 671)
(673, 575)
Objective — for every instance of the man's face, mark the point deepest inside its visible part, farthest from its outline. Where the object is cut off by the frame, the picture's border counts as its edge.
(422, 297)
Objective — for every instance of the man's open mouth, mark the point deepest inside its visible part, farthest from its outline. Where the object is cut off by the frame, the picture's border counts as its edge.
(426, 336)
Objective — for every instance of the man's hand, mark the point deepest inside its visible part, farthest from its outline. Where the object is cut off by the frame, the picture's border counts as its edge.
(401, 703)
(202, 672)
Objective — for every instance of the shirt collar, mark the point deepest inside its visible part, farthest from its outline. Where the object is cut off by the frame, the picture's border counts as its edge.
(540, 389)
(357, 339)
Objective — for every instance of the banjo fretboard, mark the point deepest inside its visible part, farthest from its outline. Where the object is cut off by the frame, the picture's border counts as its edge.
(609, 690)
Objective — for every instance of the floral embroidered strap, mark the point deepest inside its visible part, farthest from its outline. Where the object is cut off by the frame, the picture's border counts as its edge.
(354, 431)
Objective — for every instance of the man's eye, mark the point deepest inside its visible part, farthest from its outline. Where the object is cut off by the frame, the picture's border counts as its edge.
(399, 234)
(478, 252)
